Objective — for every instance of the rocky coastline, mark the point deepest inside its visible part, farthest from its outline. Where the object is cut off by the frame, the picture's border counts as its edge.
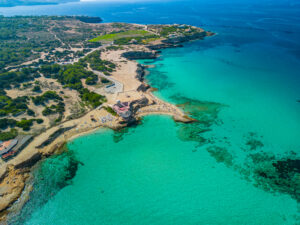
(14, 177)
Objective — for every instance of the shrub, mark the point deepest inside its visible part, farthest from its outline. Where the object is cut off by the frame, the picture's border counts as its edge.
(30, 112)
(36, 88)
(25, 124)
(39, 121)
(5, 136)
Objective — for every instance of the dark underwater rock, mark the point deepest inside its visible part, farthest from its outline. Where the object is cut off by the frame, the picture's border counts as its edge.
(221, 155)
(253, 141)
(276, 174)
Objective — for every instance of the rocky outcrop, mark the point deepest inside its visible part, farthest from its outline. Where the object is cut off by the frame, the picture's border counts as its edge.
(141, 72)
(184, 119)
(135, 55)
(11, 188)
(134, 107)
(186, 38)
(176, 42)
(3, 175)
(29, 162)
(137, 104)
(164, 46)
(143, 87)
(55, 135)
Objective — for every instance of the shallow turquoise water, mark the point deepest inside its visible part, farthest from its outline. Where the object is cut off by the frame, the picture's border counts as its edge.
(151, 177)
(259, 97)
(166, 173)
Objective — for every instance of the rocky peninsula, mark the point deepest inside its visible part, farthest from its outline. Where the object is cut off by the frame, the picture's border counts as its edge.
(111, 92)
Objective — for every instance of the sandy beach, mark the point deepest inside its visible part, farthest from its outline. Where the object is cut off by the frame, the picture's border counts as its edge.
(14, 173)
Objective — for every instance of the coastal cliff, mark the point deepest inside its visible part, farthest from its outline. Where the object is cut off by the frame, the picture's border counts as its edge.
(11, 187)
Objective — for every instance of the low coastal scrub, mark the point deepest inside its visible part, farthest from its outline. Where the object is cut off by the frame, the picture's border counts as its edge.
(70, 76)
(110, 110)
(12, 106)
(96, 63)
(36, 88)
(44, 98)
(5, 136)
(92, 98)
(53, 109)
(24, 38)
(136, 40)
(14, 78)
(114, 48)
(115, 36)
(24, 123)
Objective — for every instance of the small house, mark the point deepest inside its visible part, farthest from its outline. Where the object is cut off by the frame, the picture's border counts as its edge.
(122, 109)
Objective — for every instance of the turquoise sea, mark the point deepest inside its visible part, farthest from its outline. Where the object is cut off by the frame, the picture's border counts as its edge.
(239, 164)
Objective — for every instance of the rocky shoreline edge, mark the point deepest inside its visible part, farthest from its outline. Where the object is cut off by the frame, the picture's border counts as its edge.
(16, 174)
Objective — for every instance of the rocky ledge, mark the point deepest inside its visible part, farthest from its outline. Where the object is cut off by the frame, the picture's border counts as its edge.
(135, 55)
(186, 38)
(11, 187)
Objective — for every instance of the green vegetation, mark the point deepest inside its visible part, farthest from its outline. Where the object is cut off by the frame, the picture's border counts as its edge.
(24, 124)
(114, 47)
(53, 109)
(26, 39)
(96, 63)
(39, 121)
(104, 80)
(70, 76)
(5, 123)
(14, 78)
(30, 112)
(50, 70)
(23, 38)
(138, 40)
(92, 98)
(110, 110)
(166, 30)
(5, 136)
(91, 80)
(115, 36)
(14, 47)
(36, 88)
(12, 106)
(44, 98)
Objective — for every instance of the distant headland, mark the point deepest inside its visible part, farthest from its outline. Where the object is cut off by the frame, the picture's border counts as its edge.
(12, 3)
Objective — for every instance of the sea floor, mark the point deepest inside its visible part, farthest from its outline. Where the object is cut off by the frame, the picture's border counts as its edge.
(147, 175)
